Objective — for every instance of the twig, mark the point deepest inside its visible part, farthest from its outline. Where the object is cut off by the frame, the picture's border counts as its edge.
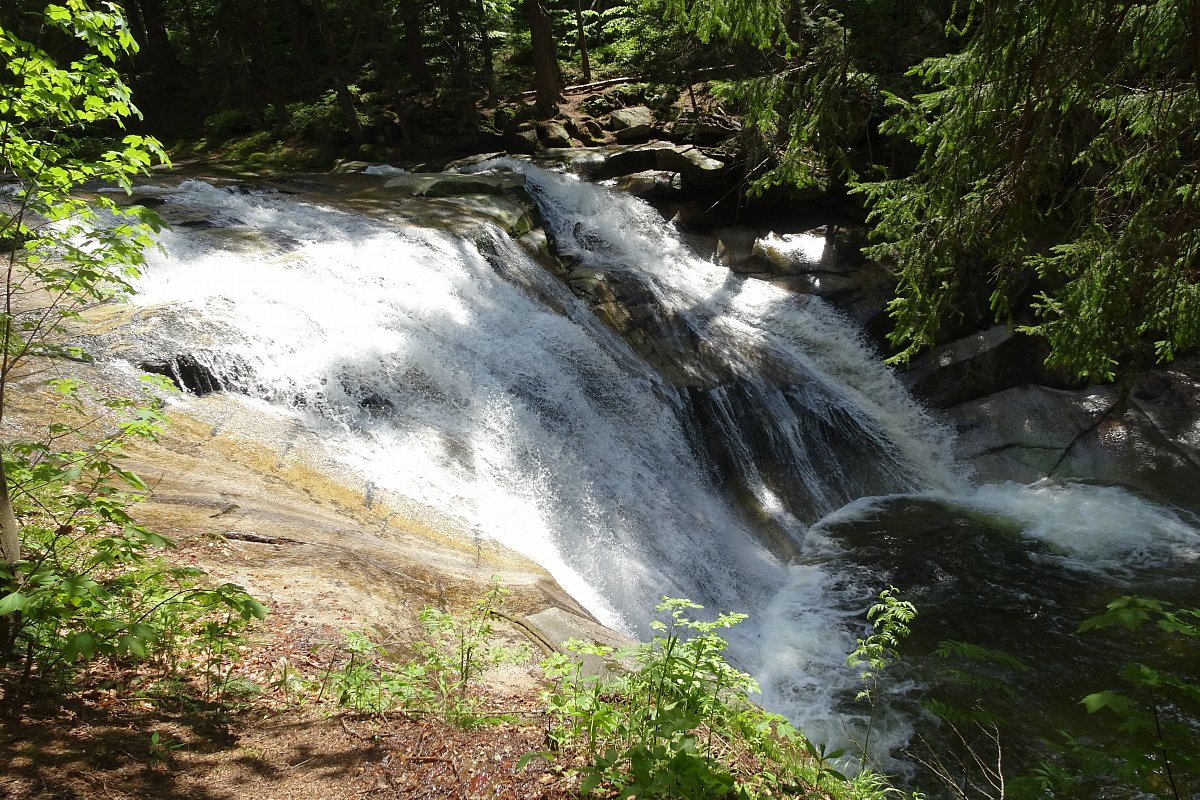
(259, 539)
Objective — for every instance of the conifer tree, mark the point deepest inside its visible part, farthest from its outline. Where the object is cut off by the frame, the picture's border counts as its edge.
(1060, 168)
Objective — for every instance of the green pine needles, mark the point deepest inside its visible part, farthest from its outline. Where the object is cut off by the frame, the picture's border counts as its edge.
(1033, 161)
(1058, 168)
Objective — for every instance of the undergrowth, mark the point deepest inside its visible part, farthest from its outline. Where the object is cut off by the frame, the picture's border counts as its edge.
(92, 588)
(670, 718)
(673, 719)
(443, 678)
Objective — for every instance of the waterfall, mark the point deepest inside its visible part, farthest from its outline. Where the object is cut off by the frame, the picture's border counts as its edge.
(696, 456)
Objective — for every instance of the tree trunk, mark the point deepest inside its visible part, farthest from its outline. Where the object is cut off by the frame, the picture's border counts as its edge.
(298, 31)
(460, 69)
(485, 49)
(160, 51)
(545, 63)
(267, 66)
(10, 534)
(414, 45)
(340, 85)
(137, 25)
(583, 49)
(10, 554)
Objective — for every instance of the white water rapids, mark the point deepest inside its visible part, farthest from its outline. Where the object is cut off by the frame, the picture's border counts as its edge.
(463, 375)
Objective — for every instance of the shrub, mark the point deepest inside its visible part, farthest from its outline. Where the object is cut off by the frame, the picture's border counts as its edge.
(680, 723)
(441, 679)
(90, 585)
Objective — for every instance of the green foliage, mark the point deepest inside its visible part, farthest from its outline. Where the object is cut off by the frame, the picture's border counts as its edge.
(680, 723)
(978, 684)
(1155, 712)
(638, 38)
(890, 619)
(1149, 746)
(226, 123)
(80, 581)
(61, 253)
(320, 120)
(89, 585)
(49, 111)
(160, 747)
(803, 115)
(366, 682)
(1057, 150)
(807, 80)
(456, 650)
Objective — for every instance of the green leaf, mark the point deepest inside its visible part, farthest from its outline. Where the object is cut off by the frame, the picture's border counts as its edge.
(132, 644)
(525, 760)
(80, 645)
(13, 602)
(1114, 701)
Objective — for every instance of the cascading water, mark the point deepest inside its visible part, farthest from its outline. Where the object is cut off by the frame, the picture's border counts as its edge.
(735, 427)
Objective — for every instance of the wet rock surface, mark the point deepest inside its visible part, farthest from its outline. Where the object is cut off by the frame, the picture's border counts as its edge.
(293, 526)
(1148, 439)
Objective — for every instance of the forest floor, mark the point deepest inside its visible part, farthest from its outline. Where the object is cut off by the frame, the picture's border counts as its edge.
(127, 735)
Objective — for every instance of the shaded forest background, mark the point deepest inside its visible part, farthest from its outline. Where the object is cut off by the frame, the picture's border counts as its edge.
(1035, 163)
(421, 76)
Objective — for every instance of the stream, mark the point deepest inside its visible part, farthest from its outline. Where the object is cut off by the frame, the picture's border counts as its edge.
(739, 445)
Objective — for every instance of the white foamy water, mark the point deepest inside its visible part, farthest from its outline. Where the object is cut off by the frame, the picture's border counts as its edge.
(1092, 527)
(438, 379)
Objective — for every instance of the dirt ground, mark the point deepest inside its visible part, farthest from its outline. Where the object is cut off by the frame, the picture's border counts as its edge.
(121, 737)
(83, 750)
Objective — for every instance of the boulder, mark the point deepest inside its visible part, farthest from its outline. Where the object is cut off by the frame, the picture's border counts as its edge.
(453, 184)
(553, 134)
(1170, 399)
(459, 164)
(698, 171)
(702, 128)
(650, 183)
(1150, 442)
(978, 365)
(632, 124)
(586, 130)
(187, 372)
(733, 248)
(1022, 434)
(524, 141)
(351, 166)
(611, 162)
(727, 246)
(827, 262)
